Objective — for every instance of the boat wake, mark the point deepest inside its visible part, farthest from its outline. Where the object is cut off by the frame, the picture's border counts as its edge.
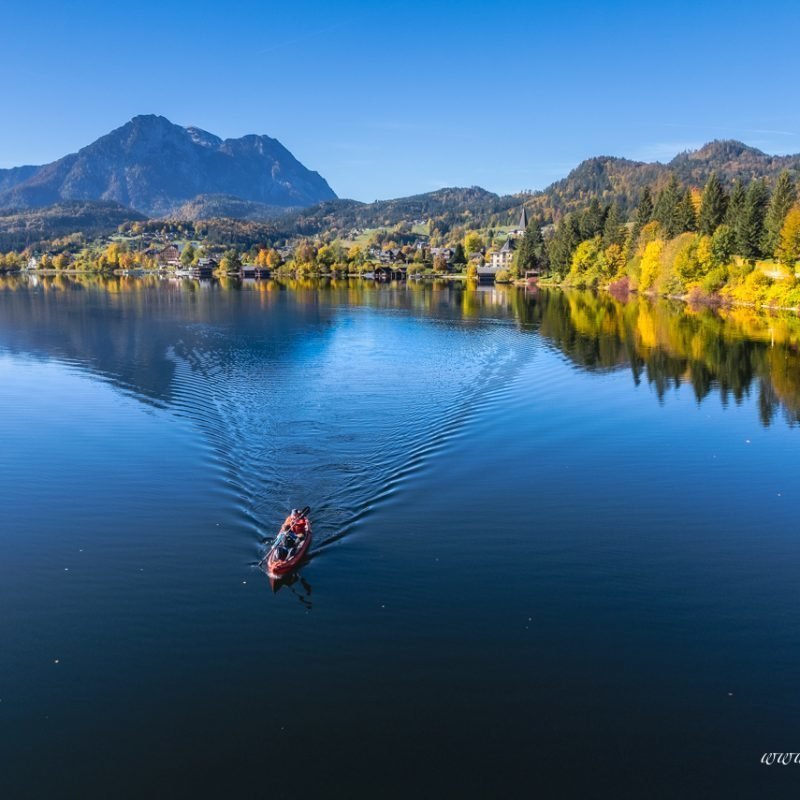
(340, 418)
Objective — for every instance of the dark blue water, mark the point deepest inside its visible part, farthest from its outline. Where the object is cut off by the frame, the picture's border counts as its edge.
(556, 546)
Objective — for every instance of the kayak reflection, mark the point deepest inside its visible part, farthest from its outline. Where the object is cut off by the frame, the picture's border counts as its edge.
(296, 584)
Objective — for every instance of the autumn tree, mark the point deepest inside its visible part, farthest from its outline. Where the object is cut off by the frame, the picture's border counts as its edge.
(230, 261)
(473, 242)
(262, 258)
(305, 253)
(788, 249)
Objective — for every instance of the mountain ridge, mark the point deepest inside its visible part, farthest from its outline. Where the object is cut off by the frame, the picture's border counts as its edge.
(154, 166)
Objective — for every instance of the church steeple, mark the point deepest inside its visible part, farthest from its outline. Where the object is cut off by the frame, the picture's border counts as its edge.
(523, 219)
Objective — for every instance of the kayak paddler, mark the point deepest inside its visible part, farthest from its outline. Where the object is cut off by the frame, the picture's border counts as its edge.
(294, 530)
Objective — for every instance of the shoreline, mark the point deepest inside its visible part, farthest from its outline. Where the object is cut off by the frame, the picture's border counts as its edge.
(707, 300)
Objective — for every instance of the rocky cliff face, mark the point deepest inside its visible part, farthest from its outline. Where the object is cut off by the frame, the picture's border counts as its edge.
(155, 166)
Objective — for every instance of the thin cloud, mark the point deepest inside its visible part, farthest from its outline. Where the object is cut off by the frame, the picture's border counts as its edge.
(345, 23)
(660, 151)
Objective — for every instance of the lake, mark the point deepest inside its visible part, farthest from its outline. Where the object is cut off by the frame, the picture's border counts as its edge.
(555, 552)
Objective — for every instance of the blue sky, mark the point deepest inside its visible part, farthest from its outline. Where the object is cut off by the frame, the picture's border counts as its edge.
(389, 99)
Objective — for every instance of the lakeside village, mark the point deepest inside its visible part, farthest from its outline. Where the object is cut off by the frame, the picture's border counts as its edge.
(168, 251)
(739, 246)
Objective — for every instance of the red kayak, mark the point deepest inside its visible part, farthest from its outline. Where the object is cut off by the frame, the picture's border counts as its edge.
(287, 553)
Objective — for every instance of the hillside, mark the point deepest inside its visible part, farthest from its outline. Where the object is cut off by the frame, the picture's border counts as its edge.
(166, 160)
(155, 167)
(445, 207)
(34, 228)
(216, 206)
(621, 180)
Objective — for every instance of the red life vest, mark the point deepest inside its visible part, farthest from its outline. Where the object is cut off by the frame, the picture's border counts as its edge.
(299, 526)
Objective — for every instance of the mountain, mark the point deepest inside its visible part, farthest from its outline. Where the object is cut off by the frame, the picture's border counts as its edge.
(155, 167)
(621, 180)
(188, 174)
(34, 228)
(608, 178)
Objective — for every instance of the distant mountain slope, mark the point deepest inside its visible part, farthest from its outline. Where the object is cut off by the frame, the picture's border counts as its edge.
(216, 206)
(34, 227)
(608, 178)
(621, 180)
(446, 206)
(154, 166)
(14, 176)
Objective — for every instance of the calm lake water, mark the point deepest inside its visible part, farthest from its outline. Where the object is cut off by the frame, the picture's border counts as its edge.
(556, 547)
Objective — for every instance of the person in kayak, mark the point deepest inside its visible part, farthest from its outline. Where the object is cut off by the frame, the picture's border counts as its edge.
(294, 529)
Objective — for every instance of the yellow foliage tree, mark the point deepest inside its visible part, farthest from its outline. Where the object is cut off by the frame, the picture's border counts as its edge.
(614, 261)
(472, 242)
(651, 264)
(789, 244)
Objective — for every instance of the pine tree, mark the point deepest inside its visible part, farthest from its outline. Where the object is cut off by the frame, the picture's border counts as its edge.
(784, 196)
(667, 210)
(459, 257)
(750, 233)
(613, 230)
(733, 216)
(644, 213)
(566, 238)
(592, 220)
(532, 254)
(713, 206)
(687, 217)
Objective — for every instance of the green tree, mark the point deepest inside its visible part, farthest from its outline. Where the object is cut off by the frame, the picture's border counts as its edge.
(230, 261)
(187, 256)
(713, 206)
(668, 208)
(532, 253)
(592, 220)
(784, 196)
(614, 231)
(733, 216)
(458, 255)
(723, 244)
(644, 212)
(562, 244)
(750, 233)
(687, 218)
